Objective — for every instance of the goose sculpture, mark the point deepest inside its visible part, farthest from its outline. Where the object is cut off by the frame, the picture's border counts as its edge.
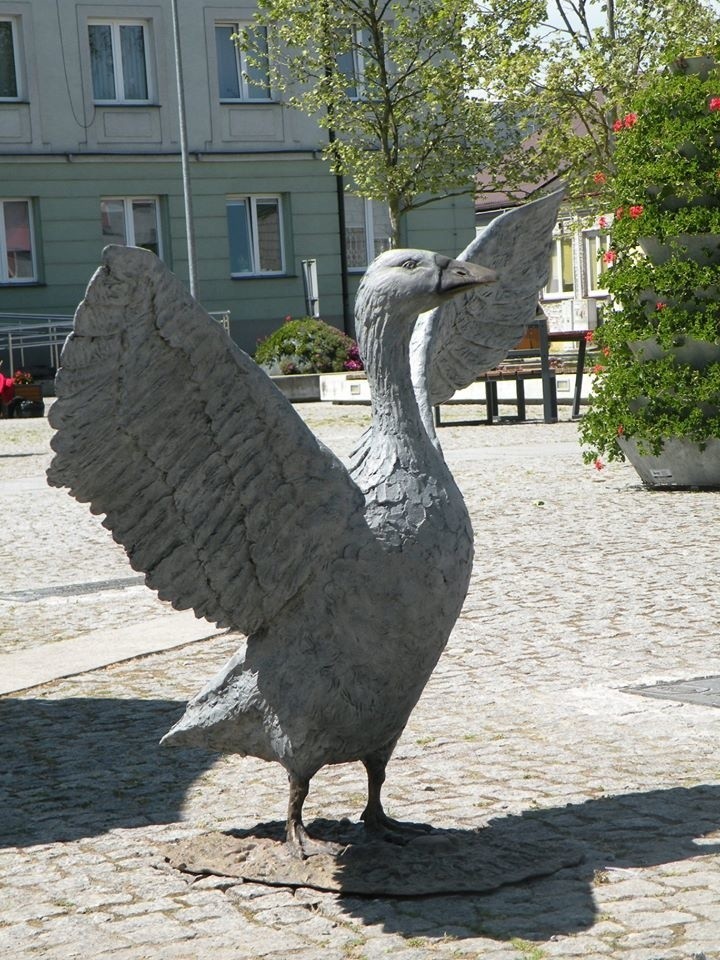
(346, 581)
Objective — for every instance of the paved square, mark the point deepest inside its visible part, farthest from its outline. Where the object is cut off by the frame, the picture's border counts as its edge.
(585, 584)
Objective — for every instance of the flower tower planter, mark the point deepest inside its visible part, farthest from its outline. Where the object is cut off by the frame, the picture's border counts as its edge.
(657, 395)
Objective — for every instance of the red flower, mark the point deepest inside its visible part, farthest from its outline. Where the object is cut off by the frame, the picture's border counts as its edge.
(602, 222)
(589, 336)
(636, 211)
(598, 464)
(610, 256)
(599, 177)
(606, 351)
(598, 368)
(629, 120)
(660, 305)
(714, 103)
(619, 213)
(620, 430)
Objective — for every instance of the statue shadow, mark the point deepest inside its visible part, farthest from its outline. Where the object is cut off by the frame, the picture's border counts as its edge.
(563, 852)
(630, 832)
(79, 767)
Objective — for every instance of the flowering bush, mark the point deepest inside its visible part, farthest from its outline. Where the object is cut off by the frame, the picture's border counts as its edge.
(307, 345)
(22, 376)
(665, 190)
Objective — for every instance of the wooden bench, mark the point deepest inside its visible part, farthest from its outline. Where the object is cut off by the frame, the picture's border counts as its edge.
(529, 361)
(27, 401)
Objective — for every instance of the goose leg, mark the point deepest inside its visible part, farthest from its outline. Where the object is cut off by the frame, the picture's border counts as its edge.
(375, 819)
(299, 842)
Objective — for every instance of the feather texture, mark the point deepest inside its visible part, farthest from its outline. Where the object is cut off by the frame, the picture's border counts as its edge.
(203, 469)
(453, 344)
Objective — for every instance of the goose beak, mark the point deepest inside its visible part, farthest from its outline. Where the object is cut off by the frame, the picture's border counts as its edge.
(458, 275)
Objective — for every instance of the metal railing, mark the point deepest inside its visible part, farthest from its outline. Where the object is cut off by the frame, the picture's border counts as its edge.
(20, 332)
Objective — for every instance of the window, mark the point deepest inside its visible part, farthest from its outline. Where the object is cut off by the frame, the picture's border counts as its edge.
(561, 280)
(131, 222)
(367, 230)
(17, 258)
(255, 233)
(118, 62)
(351, 65)
(9, 82)
(596, 244)
(238, 79)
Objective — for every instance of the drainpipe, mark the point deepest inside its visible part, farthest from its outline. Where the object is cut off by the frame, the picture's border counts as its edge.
(348, 326)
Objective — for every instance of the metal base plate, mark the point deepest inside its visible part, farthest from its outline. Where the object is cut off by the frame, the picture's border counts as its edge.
(439, 862)
(701, 690)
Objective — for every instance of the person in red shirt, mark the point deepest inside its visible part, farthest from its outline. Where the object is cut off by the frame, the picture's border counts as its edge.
(7, 392)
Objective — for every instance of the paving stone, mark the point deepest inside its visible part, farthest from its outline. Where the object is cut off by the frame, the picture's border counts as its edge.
(609, 586)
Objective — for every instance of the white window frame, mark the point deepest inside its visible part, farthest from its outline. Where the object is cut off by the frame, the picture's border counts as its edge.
(369, 228)
(5, 278)
(16, 58)
(603, 245)
(563, 232)
(127, 203)
(241, 66)
(252, 201)
(115, 24)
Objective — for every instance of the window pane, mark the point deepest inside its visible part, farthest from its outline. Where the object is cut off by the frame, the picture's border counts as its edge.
(268, 232)
(8, 76)
(257, 75)
(18, 240)
(595, 246)
(132, 45)
(381, 228)
(228, 80)
(355, 237)
(239, 237)
(145, 222)
(112, 214)
(101, 59)
(567, 264)
(346, 66)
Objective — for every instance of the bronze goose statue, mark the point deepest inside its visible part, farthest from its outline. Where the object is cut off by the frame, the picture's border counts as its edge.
(347, 583)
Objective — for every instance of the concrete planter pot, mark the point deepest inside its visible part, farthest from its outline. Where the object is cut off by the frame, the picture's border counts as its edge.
(681, 464)
(693, 66)
(701, 247)
(299, 387)
(698, 354)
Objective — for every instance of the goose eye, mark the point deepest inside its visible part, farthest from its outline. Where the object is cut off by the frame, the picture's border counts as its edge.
(409, 264)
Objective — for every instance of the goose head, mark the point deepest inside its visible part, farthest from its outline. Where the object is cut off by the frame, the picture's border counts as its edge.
(400, 284)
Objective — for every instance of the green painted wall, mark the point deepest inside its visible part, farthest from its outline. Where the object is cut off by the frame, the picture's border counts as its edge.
(67, 192)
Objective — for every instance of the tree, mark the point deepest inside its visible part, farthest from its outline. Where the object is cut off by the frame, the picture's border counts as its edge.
(576, 68)
(391, 81)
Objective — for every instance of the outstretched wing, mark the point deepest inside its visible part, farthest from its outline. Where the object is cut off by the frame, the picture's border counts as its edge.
(455, 343)
(216, 488)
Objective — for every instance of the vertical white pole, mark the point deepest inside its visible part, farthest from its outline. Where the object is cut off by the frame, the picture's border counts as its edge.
(184, 157)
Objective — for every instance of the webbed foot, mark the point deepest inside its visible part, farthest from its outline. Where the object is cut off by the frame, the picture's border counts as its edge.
(301, 845)
(380, 825)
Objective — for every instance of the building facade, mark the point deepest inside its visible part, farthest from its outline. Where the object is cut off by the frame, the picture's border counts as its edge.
(90, 155)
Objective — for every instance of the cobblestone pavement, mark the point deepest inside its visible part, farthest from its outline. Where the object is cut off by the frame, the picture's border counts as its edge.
(584, 584)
